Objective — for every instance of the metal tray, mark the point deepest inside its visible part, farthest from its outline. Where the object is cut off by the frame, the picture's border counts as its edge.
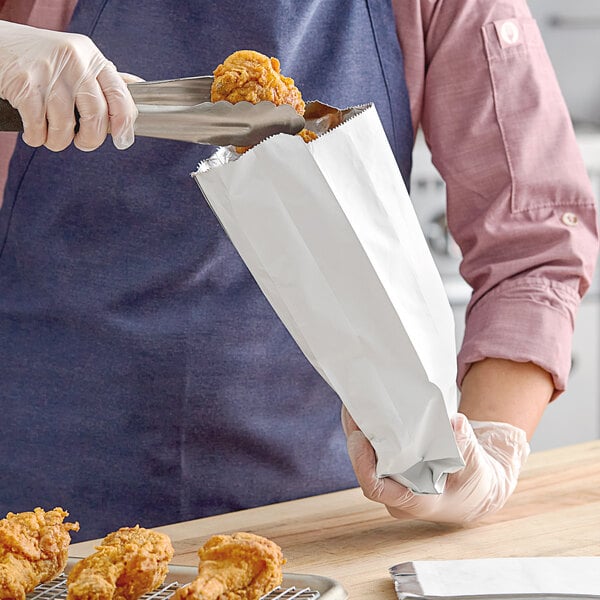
(295, 586)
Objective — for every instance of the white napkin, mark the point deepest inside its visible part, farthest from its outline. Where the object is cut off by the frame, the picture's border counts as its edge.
(499, 577)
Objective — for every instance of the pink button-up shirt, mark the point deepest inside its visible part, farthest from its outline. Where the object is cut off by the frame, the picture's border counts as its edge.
(520, 204)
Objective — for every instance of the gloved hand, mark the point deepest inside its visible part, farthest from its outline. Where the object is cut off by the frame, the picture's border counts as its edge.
(493, 452)
(44, 74)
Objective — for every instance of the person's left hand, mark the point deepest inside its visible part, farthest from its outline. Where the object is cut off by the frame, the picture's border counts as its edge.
(493, 452)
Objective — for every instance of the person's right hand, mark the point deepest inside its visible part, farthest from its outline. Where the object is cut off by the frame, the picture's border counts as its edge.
(493, 453)
(46, 74)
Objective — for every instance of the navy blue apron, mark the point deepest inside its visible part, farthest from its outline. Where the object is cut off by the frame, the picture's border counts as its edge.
(144, 378)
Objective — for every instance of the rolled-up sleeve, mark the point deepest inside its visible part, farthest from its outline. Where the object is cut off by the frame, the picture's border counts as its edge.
(519, 201)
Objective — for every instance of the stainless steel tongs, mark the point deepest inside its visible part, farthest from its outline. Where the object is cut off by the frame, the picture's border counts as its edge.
(180, 109)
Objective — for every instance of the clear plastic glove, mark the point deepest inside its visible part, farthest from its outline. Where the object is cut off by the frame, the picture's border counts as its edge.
(45, 74)
(493, 454)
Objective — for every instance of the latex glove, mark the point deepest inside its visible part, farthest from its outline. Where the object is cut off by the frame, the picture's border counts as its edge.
(493, 454)
(44, 74)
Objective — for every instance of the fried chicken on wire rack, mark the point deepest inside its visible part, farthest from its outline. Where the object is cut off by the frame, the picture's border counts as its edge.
(129, 563)
(250, 76)
(242, 566)
(33, 549)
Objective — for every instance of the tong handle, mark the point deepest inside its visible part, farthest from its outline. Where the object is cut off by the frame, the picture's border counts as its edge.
(185, 91)
(10, 119)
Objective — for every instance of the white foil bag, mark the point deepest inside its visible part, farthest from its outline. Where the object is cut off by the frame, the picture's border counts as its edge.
(328, 231)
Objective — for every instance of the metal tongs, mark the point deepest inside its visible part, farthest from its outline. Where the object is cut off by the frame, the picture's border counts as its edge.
(180, 109)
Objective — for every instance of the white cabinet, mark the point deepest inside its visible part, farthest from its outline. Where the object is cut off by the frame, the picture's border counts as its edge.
(571, 32)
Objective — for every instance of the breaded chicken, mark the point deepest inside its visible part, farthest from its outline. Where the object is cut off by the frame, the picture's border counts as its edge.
(253, 77)
(129, 563)
(33, 549)
(250, 76)
(242, 566)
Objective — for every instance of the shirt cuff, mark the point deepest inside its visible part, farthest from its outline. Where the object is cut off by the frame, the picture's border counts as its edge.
(523, 320)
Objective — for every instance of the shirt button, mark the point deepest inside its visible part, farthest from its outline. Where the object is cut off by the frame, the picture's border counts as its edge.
(509, 32)
(569, 219)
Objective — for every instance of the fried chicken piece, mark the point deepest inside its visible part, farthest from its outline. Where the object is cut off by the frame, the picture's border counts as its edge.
(242, 566)
(33, 549)
(307, 135)
(250, 76)
(129, 563)
(253, 77)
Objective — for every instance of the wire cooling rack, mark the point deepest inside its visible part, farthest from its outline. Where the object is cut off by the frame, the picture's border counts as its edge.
(57, 590)
(292, 593)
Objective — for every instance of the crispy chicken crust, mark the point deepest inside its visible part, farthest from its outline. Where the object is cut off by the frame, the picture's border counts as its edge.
(129, 563)
(242, 566)
(250, 76)
(253, 77)
(33, 549)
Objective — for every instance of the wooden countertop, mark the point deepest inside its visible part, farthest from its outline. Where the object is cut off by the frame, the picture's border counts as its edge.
(555, 511)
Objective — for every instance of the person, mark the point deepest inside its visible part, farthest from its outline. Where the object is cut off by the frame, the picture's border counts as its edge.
(145, 379)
